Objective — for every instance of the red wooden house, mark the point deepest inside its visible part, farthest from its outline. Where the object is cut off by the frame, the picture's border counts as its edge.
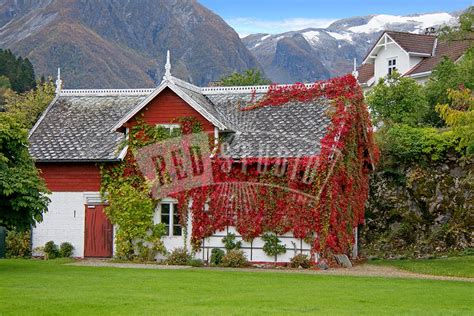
(84, 129)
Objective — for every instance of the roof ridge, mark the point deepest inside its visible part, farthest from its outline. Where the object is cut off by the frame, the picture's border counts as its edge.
(184, 84)
(244, 89)
(105, 92)
(410, 33)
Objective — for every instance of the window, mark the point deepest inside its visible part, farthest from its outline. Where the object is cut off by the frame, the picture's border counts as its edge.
(170, 217)
(392, 65)
(173, 129)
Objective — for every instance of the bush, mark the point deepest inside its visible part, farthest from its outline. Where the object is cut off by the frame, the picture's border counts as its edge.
(179, 257)
(235, 259)
(66, 249)
(272, 246)
(18, 244)
(405, 144)
(196, 263)
(230, 243)
(216, 256)
(301, 260)
(51, 250)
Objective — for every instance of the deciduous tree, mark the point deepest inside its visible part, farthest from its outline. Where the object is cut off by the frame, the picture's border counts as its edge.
(250, 77)
(398, 99)
(23, 193)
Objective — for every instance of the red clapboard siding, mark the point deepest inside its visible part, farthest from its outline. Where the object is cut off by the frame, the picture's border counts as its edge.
(70, 177)
(167, 107)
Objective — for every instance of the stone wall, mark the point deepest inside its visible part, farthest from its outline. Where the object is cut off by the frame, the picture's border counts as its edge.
(420, 210)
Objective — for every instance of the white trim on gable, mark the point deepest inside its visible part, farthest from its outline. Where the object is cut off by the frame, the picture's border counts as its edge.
(377, 46)
(170, 84)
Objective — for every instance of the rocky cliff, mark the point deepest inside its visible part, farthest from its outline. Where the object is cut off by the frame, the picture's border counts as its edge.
(421, 209)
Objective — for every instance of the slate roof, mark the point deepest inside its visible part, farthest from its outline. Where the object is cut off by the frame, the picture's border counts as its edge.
(81, 127)
(289, 130)
(78, 128)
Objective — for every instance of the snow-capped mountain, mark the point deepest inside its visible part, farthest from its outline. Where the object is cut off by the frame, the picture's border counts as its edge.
(319, 53)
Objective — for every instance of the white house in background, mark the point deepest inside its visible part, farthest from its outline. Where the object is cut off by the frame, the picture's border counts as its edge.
(412, 55)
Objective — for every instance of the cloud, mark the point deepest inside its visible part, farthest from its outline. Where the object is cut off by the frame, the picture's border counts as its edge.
(246, 26)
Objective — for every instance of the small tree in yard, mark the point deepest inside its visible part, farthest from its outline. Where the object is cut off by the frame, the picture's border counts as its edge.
(250, 77)
(23, 193)
(397, 99)
(459, 115)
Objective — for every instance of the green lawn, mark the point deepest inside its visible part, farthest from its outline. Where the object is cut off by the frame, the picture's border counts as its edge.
(49, 287)
(454, 266)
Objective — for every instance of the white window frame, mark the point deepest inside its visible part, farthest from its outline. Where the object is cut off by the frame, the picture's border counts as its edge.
(392, 64)
(172, 203)
(171, 127)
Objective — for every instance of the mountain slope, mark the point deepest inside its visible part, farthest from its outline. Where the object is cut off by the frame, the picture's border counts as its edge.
(330, 51)
(122, 43)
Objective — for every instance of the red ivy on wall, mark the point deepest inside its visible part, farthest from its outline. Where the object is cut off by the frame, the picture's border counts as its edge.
(272, 194)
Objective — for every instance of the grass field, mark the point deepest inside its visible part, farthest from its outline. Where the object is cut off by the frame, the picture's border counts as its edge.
(454, 266)
(50, 287)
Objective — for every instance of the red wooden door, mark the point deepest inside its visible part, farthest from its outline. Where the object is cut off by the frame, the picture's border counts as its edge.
(98, 233)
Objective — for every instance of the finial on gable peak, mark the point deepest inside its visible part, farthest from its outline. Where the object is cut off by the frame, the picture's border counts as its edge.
(355, 73)
(167, 75)
(59, 82)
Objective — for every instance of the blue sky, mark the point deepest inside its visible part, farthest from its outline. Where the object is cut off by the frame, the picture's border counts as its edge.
(276, 16)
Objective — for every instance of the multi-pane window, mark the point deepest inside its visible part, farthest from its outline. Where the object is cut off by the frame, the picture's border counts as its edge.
(170, 217)
(392, 65)
(172, 129)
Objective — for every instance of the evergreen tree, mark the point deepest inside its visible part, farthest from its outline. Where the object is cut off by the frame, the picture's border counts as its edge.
(19, 71)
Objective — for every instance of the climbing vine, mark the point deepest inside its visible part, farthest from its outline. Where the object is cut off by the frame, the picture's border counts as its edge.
(318, 198)
(127, 192)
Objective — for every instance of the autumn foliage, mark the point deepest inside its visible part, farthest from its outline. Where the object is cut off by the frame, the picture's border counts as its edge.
(318, 198)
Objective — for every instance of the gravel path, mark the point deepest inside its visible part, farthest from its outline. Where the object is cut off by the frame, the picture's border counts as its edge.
(365, 270)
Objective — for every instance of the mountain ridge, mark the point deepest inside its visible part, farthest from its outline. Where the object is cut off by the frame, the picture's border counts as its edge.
(335, 46)
(121, 43)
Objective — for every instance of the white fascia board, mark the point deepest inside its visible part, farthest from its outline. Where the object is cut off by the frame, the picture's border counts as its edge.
(370, 81)
(415, 54)
(140, 106)
(420, 74)
(377, 46)
(196, 106)
(123, 153)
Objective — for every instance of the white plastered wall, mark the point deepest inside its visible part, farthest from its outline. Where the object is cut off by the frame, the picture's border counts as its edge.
(384, 54)
(64, 222)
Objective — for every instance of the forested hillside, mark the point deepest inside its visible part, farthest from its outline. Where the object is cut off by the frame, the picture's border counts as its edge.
(16, 72)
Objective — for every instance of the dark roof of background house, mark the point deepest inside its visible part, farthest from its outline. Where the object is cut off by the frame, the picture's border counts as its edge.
(451, 49)
(410, 42)
(366, 71)
(414, 43)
